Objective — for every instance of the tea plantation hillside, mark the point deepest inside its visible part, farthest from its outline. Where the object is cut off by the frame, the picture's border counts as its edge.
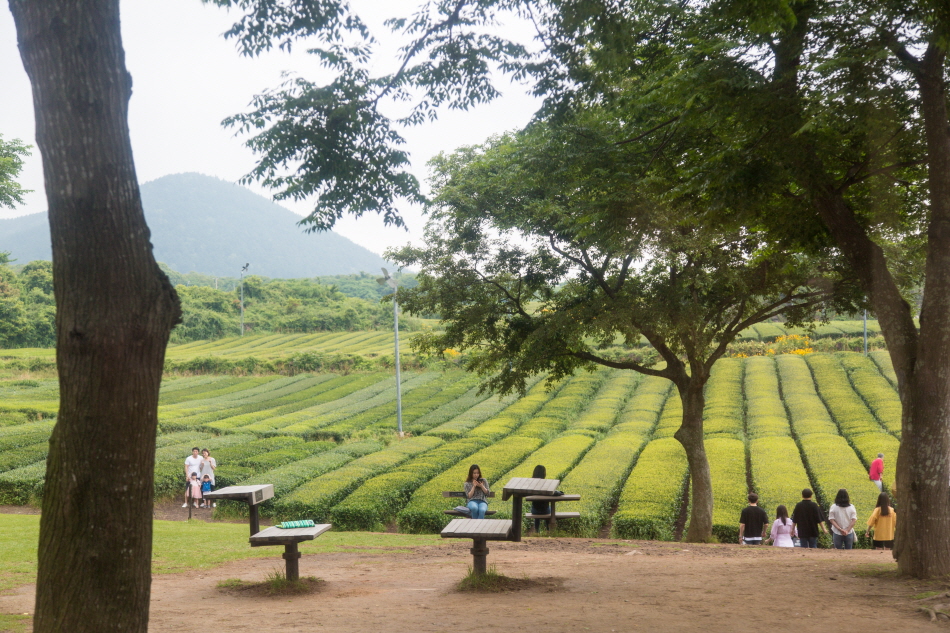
(326, 441)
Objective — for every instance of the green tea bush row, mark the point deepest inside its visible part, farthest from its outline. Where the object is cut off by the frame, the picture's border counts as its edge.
(883, 361)
(605, 408)
(672, 416)
(650, 501)
(314, 499)
(845, 405)
(424, 513)
(768, 331)
(25, 435)
(599, 476)
(312, 396)
(438, 399)
(449, 411)
(808, 413)
(13, 418)
(414, 399)
(23, 456)
(722, 414)
(23, 485)
(358, 388)
(279, 457)
(262, 397)
(875, 390)
(288, 477)
(253, 389)
(765, 413)
(469, 418)
(778, 475)
(377, 403)
(178, 390)
(555, 415)
(729, 485)
(856, 422)
(246, 450)
(375, 504)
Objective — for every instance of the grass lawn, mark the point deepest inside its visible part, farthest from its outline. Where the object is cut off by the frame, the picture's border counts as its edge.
(183, 545)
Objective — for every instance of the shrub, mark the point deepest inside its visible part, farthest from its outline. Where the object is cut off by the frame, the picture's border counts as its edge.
(722, 414)
(778, 475)
(730, 489)
(765, 413)
(875, 390)
(650, 501)
(314, 499)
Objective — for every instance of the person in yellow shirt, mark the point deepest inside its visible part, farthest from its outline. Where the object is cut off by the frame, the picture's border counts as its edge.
(883, 521)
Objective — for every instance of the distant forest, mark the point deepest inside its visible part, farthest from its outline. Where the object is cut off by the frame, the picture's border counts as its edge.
(344, 302)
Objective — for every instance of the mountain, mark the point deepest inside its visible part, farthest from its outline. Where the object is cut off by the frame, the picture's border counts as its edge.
(208, 225)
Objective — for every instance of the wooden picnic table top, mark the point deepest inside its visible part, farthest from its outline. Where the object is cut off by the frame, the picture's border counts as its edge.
(553, 498)
(521, 486)
(250, 494)
(279, 536)
(488, 529)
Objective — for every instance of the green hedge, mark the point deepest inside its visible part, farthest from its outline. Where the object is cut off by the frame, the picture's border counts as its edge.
(875, 390)
(729, 485)
(23, 485)
(373, 505)
(279, 457)
(765, 413)
(722, 414)
(604, 410)
(778, 475)
(314, 499)
(650, 501)
(23, 456)
(807, 411)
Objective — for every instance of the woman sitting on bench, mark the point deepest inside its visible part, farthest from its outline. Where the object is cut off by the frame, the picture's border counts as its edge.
(475, 489)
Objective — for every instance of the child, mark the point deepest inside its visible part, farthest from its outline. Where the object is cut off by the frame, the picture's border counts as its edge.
(205, 487)
(194, 487)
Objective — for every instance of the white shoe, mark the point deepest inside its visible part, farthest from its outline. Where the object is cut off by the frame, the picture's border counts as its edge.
(184, 505)
(214, 505)
(196, 504)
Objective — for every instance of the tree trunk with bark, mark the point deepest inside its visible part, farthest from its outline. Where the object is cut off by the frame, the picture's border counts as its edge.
(690, 435)
(922, 546)
(115, 310)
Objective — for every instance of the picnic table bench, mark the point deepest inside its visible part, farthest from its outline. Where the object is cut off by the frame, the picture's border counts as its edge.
(518, 488)
(289, 538)
(480, 531)
(553, 515)
(251, 495)
(455, 494)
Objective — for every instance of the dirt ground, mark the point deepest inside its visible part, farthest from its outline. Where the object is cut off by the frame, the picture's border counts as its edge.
(582, 585)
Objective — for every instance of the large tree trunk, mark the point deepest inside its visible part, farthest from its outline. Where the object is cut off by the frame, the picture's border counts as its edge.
(922, 546)
(690, 435)
(115, 310)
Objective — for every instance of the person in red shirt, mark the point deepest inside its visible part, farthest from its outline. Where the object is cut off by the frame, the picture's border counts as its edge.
(877, 469)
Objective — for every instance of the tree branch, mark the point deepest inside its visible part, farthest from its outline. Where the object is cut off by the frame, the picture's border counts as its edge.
(637, 367)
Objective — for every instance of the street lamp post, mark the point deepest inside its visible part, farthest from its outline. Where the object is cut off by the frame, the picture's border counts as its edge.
(243, 270)
(387, 280)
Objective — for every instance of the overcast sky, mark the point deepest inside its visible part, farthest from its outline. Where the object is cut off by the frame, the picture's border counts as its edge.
(187, 78)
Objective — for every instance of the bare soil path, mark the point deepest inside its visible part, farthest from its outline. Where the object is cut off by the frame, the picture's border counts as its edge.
(582, 585)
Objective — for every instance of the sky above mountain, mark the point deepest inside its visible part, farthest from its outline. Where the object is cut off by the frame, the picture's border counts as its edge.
(207, 225)
(187, 78)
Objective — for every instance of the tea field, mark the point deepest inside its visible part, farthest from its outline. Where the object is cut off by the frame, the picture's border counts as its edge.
(774, 424)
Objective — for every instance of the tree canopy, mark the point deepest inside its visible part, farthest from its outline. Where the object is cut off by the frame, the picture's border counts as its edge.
(545, 248)
(11, 163)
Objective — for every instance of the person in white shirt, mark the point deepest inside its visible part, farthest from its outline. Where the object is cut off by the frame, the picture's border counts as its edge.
(842, 516)
(192, 465)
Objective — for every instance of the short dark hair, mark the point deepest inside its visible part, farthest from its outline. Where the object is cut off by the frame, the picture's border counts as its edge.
(540, 472)
(753, 498)
(806, 493)
(196, 449)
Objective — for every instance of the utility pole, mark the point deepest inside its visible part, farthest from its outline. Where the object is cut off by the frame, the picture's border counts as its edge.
(387, 280)
(865, 332)
(243, 270)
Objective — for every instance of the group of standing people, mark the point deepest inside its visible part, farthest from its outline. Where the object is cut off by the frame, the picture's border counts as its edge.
(807, 519)
(199, 477)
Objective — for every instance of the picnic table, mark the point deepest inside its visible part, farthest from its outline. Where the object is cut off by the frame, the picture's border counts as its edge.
(289, 538)
(480, 531)
(517, 489)
(553, 516)
(251, 495)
